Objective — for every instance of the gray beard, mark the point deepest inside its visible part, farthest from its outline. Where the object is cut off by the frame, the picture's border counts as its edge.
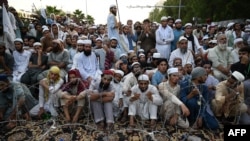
(222, 46)
(183, 51)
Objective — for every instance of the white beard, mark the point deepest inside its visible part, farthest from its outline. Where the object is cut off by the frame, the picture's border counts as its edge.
(222, 46)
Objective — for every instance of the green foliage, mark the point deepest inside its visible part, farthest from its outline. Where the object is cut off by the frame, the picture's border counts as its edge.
(78, 15)
(217, 10)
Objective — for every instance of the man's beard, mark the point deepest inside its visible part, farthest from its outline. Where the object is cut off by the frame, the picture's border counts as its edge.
(55, 49)
(144, 90)
(113, 12)
(222, 46)
(137, 73)
(143, 64)
(183, 50)
(104, 86)
(87, 53)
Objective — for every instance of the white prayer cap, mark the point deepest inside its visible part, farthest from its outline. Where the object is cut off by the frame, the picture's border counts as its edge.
(125, 26)
(156, 55)
(113, 38)
(98, 39)
(164, 18)
(141, 54)
(37, 44)
(44, 26)
(112, 5)
(135, 63)
(45, 29)
(247, 29)
(83, 37)
(141, 50)
(237, 40)
(188, 24)
(92, 27)
(172, 70)
(131, 51)
(205, 37)
(177, 20)
(87, 42)
(182, 38)
(18, 40)
(230, 24)
(247, 20)
(123, 54)
(240, 77)
(80, 42)
(57, 41)
(213, 41)
(143, 77)
(119, 72)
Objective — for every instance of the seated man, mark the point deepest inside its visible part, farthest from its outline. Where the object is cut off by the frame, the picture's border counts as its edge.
(144, 101)
(48, 87)
(101, 95)
(37, 64)
(6, 60)
(229, 97)
(118, 99)
(159, 75)
(173, 110)
(194, 94)
(14, 98)
(221, 58)
(73, 91)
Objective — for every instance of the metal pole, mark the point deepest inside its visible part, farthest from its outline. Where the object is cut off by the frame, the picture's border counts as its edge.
(118, 11)
(86, 12)
(179, 15)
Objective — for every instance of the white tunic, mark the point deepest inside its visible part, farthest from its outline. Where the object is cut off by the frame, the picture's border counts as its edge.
(87, 65)
(186, 57)
(164, 37)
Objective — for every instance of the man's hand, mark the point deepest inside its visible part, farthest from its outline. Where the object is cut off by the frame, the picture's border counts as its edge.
(149, 95)
(185, 110)
(41, 111)
(135, 97)
(89, 79)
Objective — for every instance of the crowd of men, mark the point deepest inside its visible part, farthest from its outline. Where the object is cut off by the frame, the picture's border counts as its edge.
(181, 74)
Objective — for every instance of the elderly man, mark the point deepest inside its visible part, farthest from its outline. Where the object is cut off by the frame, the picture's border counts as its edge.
(221, 58)
(182, 52)
(87, 63)
(194, 94)
(15, 98)
(173, 110)
(144, 101)
(229, 97)
(101, 95)
(164, 36)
